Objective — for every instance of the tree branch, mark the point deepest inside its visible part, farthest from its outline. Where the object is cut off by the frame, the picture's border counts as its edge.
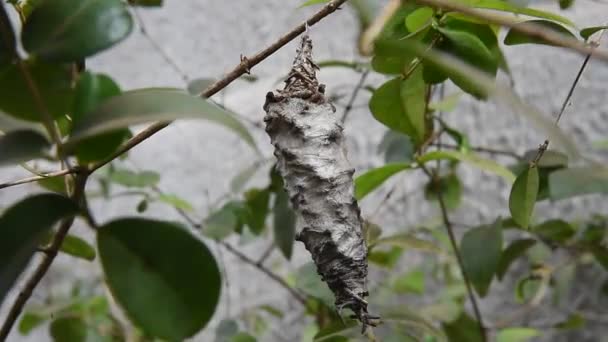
(242, 68)
(37, 178)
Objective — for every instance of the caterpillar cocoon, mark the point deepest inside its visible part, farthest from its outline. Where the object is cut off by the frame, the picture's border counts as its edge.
(311, 157)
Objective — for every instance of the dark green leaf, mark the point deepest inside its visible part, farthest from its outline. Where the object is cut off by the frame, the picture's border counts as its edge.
(7, 38)
(462, 40)
(53, 81)
(69, 329)
(601, 255)
(589, 31)
(516, 334)
(182, 280)
(475, 160)
(65, 31)
(284, 224)
(133, 179)
(20, 146)
(523, 196)
(77, 247)
(142, 206)
(449, 187)
(18, 241)
(578, 181)
(146, 3)
(30, 320)
(145, 105)
(554, 230)
(515, 37)
(91, 90)
(225, 221)
(335, 332)
(516, 249)
(463, 329)
(175, 201)
(574, 321)
(372, 179)
(481, 249)
(397, 147)
(257, 201)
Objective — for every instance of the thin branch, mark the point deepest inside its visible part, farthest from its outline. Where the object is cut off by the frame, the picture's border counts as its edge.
(242, 68)
(353, 96)
(37, 178)
(49, 255)
(266, 254)
(530, 29)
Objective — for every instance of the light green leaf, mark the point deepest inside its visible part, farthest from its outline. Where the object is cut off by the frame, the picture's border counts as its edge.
(30, 320)
(523, 196)
(176, 202)
(77, 247)
(313, 2)
(65, 31)
(243, 337)
(182, 280)
(589, 31)
(18, 241)
(133, 179)
(20, 146)
(574, 321)
(481, 250)
(516, 249)
(549, 159)
(372, 179)
(419, 18)
(412, 281)
(516, 334)
(473, 159)
(447, 104)
(515, 37)
(578, 181)
(146, 105)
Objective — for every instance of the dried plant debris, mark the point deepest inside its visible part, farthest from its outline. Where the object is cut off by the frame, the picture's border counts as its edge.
(311, 157)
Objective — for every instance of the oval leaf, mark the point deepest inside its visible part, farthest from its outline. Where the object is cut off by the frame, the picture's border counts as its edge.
(578, 181)
(18, 241)
(146, 105)
(284, 223)
(72, 329)
(516, 249)
(523, 196)
(372, 179)
(68, 31)
(77, 247)
(589, 31)
(20, 146)
(166, 280)
(473, 159)
(419, 18)
(481, 248)
(515, 37)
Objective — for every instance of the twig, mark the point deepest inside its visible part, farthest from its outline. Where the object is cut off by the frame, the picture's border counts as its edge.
(265, 255)
(530, 29)
(353, 96)
(37, 178)
(242, 68)
(49, 255)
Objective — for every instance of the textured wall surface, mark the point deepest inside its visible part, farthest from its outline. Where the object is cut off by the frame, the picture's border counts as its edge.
(197, 159)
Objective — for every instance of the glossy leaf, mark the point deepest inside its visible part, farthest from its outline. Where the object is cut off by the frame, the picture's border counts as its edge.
(473, 159)
(515, 37)
(77, 247)
(133, 179)
(481, 250)
(516, 334)
(18, 241)
(181, 277)
(20, 146)
(68, 31)
(284, 224)
(7, 38)
(589, 31)
(72, 329)
(53, 81)
(523, 196)
(516, 249)
(146, 105)
(91, 90)
(372, 179)
(578, 181)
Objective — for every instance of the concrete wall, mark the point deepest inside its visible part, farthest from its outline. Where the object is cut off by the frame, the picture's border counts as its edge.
(197, 159)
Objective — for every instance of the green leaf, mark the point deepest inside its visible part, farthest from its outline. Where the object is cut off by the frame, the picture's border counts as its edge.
(53, 81)
(475, 160)
(145, 105)
(175, 201)
(407, 241)
(65, 31)
(578, 181)
(142, 206)
(463, 42)
(555, 230)
(225, 330)
(243, 337)
(182, 280)
(313, 2)
(225, 221)
(399, 104)
(397, 147)
(372, 179)
(574, 321)
(481, 250)
(387, 259)
(449, 187)
(7, 39)
(20, 146)
(508, 7)
(419, 18)
(412, 281)
(284, 223)
(146, 3)
(133, 179)
(31, 320)
(77, 247)
(523, 196)
(72, 329)
(18, 241)
(91, 90)
(257, 201)
(587, 32)
(447, 104)
(197, 86)
(308, 281)
(515, 37)
(549, 159)
(516, 249)
(463, 329)
(411, 320)
(516, 334)
(55, 184)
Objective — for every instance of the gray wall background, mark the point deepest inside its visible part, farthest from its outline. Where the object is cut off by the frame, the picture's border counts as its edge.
(198, 159)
